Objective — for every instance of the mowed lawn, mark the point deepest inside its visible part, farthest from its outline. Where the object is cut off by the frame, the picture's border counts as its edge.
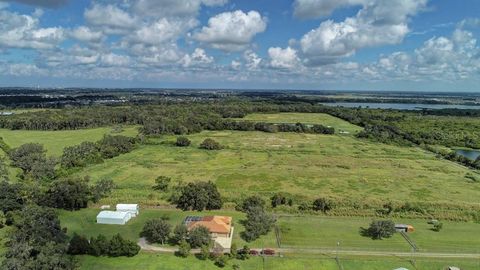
(325, 232)
(55, 141)
(304, 118)
(307, 166)
(84, 222)
(158, 261)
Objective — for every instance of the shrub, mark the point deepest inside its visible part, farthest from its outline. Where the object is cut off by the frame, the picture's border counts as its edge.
(162, 183)
(210, 144)
(78, 245)
(437, 226)
(204, 252)
(122, 247)
(221, 261)
(183, 249)
(179, 233)
(252, 202)
(322, 204)
(182, 142)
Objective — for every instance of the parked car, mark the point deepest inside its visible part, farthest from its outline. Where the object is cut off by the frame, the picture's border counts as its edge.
(254, 252)
(268, 251)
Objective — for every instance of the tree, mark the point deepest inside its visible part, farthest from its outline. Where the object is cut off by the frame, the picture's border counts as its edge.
(156, 231)
(112, 146)
(80, 155)
(162, 183)
(32, 159)
(199, 236)
(183, 249)
(210, 144)
(252, 202)
(102, 189)
(69, 194)
(99, 245)
(380, 229)
(44, 170)
(3, 170)
(258, 223)
(244, 253)
(182, 141)
(199, 196)
(38, 242)
(322, 204)
(179, 233)
(78, 245)
(122, 247)
(10, 197)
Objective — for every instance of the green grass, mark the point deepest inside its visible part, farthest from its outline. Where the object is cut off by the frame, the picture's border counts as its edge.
(305, 165)
(84, 222)
(305, 118)
(325, 232)
(55, 141)
(155, 261)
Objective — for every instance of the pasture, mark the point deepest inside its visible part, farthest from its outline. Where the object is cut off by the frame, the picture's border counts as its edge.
(306, 166)
(55, 141)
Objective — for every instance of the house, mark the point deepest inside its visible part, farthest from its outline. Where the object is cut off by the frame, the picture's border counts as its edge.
(130, 208)
(113, 217)
(404, 228)
(220, 227)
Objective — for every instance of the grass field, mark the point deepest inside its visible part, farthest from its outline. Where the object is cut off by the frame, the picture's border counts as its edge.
(152, 261)
(55, 141)
(305, 165)
(304, 118)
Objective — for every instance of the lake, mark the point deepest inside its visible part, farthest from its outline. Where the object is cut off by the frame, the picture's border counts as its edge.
(470, 154)
(400, 106)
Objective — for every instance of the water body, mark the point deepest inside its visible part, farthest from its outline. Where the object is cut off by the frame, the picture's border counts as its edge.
(401, 106)
(470, 154)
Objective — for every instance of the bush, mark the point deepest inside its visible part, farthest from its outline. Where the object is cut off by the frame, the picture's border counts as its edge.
(122, 247)
(182, 142)
(183, 249)
(78, 245)
(162, 183)
(204, 252)
(437, 226)
(210, 144)
(322, 204)
(156, 231)
(221, 261)
(379, 229)
(258, 223)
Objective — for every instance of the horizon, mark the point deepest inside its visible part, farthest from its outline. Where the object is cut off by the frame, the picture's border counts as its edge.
(303, 45)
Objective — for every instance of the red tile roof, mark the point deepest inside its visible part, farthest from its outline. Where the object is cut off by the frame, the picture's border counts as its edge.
(215, 224)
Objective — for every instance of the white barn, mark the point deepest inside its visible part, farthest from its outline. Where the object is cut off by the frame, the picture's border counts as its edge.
(130, 208)
(113, 217)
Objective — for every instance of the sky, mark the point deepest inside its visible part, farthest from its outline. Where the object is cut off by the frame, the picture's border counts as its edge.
(403, 45)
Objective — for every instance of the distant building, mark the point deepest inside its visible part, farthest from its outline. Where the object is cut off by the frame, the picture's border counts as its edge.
(404, 228)
(220, 227)
(113, 217)
(130, 208)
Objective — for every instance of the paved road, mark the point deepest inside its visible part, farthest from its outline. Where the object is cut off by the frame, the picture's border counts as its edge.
(147, 247)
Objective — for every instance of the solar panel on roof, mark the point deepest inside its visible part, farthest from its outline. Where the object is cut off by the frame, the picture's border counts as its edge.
(189, 219)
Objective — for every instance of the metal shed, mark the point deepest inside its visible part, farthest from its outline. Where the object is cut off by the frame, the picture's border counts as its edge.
(113, 217)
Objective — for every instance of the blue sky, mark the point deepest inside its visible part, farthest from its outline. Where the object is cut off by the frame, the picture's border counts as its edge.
(426, 45)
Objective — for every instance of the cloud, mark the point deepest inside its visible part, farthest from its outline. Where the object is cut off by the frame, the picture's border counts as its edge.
(41, 3)
(198, 57)
(110, 18)
(252, 60)
(85, 34)
(161, 31)
(379, 23)
(310, 9)
(283, 58)
(23, 31)
(232, 31)
(168, 8)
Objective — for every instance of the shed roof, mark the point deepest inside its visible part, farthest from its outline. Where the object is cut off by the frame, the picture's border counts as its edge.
(112, 214)
(127, 206)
